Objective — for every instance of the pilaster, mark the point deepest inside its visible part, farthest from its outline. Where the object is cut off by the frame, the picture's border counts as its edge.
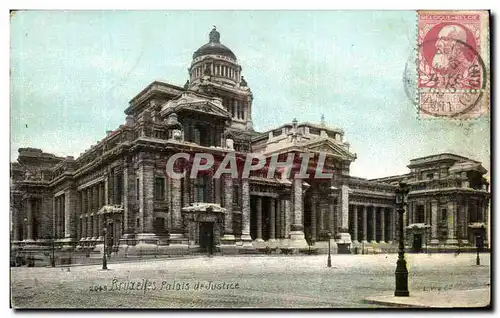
(258, 206)
(297, 239)
(374, 224)
(365, 224)
(355, 222)
(228, 237)
(434, 223)
(245, 210)
(451, 240)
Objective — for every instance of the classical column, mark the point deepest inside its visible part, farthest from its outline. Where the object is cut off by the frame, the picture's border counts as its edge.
(84, 201)
(78, 228)
(61, 217)
(99, 197)
(272, 217)
(279, 222)
(245, 213)
(89, 211)
(15, 220)
(313, 218)
(331, 216)
(287, 217)
(451, 223)
(258, 206)
(465, 222)
(176, 205)
(83, 220)
(434, 223)
(297, 205)
(388, 220)
(102, 203)
(69, 211)
(382, 225)
(146, 200)
(128, 193)
(228, 237)
(29, 214)
(321, 226)
(297, 239)
(89, 226)
(95, 220)
(406, 221)
(217, 190)
(355, 222)
(116, 199)
(95, 196)
(365, 224)
(374, 224)
(344, 203)
(54, 219)
(186, 189)
(95, 208)
(106, 189)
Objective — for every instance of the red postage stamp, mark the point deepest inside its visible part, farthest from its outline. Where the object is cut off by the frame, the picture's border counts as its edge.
(453, 64)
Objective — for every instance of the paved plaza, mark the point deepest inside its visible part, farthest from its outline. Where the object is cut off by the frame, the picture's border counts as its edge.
(245, 281)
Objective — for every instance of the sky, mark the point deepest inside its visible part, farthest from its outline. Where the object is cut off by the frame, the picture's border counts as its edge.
(74, 72)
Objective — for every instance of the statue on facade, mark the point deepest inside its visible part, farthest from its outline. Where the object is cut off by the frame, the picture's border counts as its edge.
(208, 70)
(186, 85)
(229, 143)
(177, 134)
(214, 36)
(243, 83)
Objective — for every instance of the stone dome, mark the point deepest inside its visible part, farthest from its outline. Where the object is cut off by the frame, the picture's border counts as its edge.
(214, 47)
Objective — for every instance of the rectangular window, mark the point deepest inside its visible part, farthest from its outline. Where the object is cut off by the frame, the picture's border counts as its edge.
(236, 194)
(119, 181)
(444, 172)
(159, 188)
(200, 188)
(444, 216)
(241, 113)
(197, 136)
(137, 189)
(420, 214)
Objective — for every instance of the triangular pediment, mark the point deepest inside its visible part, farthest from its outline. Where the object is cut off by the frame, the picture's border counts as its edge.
(325, 145)
(330, 147)
(196, 103)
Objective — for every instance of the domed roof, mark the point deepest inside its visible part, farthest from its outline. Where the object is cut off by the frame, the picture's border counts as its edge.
(214, 47)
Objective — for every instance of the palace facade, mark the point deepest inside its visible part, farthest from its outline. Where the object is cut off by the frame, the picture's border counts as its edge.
(119, 190)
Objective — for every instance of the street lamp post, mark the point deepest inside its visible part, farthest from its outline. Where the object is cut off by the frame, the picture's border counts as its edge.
(53, 247)
(104, 260)
(329, 262)
(478, 261)
(401, 270)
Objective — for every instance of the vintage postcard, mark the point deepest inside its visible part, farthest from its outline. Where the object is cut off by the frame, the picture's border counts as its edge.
(250, 159)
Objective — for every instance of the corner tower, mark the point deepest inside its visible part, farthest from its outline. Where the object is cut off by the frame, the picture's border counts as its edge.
(215, 71)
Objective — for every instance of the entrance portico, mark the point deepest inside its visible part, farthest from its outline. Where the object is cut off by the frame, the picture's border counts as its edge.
(204, 222)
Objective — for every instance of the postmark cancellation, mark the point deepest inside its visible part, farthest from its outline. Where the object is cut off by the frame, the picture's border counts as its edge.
(453, 64)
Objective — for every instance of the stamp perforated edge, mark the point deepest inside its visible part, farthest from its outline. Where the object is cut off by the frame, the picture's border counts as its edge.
(484, 55)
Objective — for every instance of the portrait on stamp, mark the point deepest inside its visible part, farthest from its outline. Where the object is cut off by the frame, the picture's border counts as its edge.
(249, 159)
(452, 64)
